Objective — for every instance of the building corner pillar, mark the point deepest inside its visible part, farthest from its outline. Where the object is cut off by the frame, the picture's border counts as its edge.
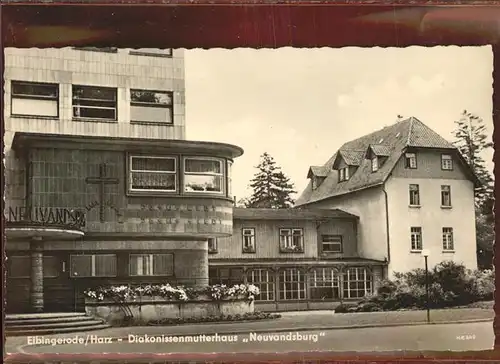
(36, 289)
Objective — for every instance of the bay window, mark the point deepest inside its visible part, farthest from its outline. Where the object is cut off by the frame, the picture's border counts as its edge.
(153, 173)
(34, 99)
(203, 175)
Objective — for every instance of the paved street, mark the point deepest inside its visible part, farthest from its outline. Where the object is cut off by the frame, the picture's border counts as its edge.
(470, 336)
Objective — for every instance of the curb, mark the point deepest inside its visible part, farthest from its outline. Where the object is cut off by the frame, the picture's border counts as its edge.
(297, 329)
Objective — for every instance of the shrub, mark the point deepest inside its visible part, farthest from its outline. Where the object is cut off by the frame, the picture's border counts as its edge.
(450, 284)
(345, 307)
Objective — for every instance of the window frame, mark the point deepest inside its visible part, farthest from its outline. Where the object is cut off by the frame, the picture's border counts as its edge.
(375, 163)
(214, 250)
(300, 285)
(153, 105)
(229, 178)
(409, 157)
(134, 52)
(270, 284)
(222, 175)
(83, 118)
(97, 49)
(93, 265)
(443, 194)
(340, 243)
(13, 257)
(333, 282)
(367, 282)
(13, 96)
(253, 238)
(446, 157)
(284, 249)
(344, 174)
(448, 241)
(152, 191)
(227, 280)
(151, 264)
(415, 195)
(416, 231)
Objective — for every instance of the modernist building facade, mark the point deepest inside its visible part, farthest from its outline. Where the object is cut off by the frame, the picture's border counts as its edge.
(411, 189)
(101, 185)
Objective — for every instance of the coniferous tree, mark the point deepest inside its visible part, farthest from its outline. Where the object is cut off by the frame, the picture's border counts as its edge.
(271, 188)
(471, 140)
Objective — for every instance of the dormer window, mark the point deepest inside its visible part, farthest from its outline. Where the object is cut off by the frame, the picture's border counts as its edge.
(374, 163)
(343, 174)
(314, 183)
(411, 160)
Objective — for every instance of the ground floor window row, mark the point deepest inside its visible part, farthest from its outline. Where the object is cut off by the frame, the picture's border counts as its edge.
(321, 283)
(93, 265)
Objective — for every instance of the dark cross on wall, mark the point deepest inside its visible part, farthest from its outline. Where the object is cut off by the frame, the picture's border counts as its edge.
(102, 181)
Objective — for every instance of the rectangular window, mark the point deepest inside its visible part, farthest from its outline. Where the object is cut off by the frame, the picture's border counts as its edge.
(357, 283)
(152, 52)
(227, 276)
(331, 243)
(414, 195)
(151, 106)
(229, 179)
(344, 174)
(264, 279)
(411, 160)
(248, 240)
(446, 196)
(291, 240)
(95, 103)
(448, 239)
(153, 173)
(19, 266)
(292, 285)
(203, 175)
(212, 245)
(151, 264)
(446, 162)
(34, 99)
(416, 238)
(96, 49)
(325, 284)
(93, 265)
(375, 164)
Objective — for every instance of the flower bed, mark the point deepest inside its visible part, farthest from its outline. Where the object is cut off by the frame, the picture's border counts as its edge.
(256, 316)
(143, 304)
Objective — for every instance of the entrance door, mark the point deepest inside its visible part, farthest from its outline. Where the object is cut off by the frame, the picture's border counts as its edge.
(59, 292)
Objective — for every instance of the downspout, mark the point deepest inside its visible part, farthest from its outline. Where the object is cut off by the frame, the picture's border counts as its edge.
(387, 229)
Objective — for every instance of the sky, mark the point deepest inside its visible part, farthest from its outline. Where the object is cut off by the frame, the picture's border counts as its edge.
(301, 105)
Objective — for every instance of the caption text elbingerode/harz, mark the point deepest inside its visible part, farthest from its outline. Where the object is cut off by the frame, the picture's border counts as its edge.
(201, 338)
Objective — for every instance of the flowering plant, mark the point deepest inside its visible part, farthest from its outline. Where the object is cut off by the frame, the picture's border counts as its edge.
(216, 292)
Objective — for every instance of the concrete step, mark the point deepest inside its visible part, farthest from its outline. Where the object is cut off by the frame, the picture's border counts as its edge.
(27, 332)
(51, 323)
(38, 316)
(62, 324)
(45, 321)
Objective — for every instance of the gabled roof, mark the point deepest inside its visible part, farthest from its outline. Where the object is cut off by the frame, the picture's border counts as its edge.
(317, 171)
(391, 141)
(380, 150)
(350, 157)
(289, 214)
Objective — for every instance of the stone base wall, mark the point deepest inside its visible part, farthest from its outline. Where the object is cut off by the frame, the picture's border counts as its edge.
(151, 309)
